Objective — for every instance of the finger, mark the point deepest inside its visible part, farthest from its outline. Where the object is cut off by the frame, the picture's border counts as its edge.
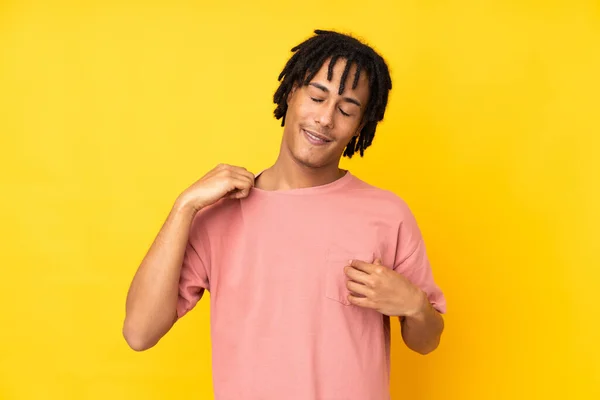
(228, 173)
(360, 296)
(226, 169)
(248, 181)
(238, 184)
(359, 288)
(361, 266)
(356, 275)
(361, 301)
(378, 261)
(239, 194)
(237, 173)
(244, 172)
(217, 170)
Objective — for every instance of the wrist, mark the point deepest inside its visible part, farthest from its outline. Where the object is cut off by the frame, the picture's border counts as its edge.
(422, 306)
(182, 206)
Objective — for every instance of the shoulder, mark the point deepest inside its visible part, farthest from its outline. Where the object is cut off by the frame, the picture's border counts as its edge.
(391, 210)
(381, 199)
(212, 216)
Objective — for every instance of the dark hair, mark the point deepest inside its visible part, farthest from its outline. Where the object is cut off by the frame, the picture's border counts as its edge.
(308, 59)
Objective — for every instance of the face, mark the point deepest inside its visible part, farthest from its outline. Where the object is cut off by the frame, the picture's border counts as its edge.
(319, 122)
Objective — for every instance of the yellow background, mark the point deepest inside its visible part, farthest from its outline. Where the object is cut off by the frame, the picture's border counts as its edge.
(108, 110)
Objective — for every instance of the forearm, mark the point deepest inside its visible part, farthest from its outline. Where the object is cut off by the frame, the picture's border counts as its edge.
(152, 298)
(422, 331)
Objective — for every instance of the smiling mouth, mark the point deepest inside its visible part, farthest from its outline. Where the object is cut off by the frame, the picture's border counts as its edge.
(315, 138)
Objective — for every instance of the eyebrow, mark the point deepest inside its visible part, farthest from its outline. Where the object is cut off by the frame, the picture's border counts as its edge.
(323, 88)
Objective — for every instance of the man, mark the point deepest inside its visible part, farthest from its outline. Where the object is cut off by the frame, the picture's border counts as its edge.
(305, 262)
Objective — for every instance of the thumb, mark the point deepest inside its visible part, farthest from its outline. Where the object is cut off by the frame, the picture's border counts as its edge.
(377, 261)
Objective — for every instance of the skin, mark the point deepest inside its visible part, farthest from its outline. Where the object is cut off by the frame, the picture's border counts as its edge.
(318, 108)
(377, 287)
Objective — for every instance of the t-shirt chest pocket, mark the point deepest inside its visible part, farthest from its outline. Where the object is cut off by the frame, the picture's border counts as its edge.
(335, 278)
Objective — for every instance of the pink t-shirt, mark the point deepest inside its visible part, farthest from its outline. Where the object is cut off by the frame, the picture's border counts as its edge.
(281, 325)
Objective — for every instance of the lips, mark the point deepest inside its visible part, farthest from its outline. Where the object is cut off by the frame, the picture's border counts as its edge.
(315, 138)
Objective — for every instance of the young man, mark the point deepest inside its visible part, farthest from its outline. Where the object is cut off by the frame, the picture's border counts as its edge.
(305, 262)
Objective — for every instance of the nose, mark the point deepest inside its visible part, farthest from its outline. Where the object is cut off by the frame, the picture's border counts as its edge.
(324, 115)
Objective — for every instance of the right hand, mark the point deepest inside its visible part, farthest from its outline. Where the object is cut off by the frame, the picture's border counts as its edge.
(222, 181)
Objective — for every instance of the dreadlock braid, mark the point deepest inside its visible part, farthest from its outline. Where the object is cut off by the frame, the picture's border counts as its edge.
(307, 60)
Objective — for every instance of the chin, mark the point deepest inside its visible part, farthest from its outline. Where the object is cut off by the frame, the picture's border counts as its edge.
(310, 164)
(306, 159)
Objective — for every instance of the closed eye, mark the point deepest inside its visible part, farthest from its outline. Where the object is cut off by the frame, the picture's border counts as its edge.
(345, 114)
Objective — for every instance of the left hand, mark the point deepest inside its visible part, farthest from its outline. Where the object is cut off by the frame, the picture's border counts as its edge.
(383, 289)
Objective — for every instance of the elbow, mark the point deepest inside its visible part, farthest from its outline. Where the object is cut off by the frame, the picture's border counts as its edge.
(136, 339)
(428, 348)
(143, 335)
(137, 344)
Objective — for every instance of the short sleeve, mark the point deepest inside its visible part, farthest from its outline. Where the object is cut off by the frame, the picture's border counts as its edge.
(412, 261)
(194, 277)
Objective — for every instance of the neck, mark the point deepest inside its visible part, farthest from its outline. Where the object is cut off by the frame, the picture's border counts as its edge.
(288, 174)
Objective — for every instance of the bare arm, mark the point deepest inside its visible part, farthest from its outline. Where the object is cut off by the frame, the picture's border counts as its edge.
(422, 331)
(151, 306)
(152, 298)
